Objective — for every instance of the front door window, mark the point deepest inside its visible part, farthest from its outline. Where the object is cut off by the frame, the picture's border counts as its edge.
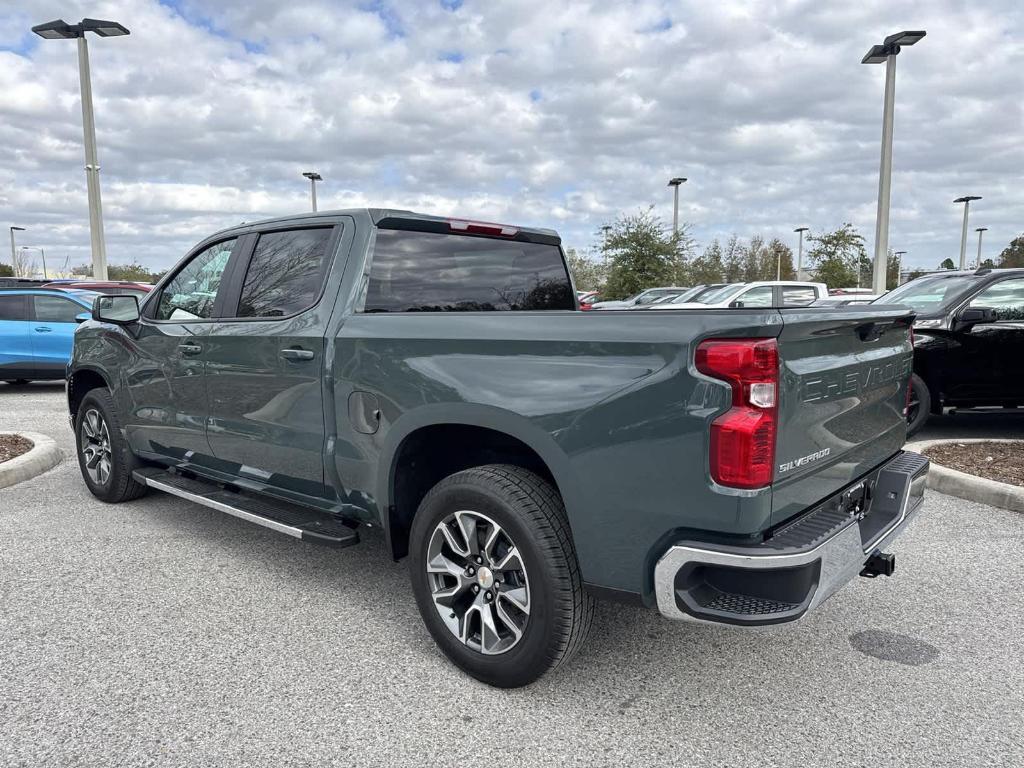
(192, 292)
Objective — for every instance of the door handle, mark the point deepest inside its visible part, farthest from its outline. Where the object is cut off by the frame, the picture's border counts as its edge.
(190, 349)
(297, 354)
(43, 329)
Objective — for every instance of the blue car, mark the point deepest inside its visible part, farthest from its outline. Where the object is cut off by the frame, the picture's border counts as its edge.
(37, 327)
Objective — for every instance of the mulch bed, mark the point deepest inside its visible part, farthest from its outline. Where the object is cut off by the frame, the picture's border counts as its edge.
(993, 461)
(13, 445)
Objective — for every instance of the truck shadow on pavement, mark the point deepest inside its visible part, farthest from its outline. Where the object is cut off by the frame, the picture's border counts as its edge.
(370, 594)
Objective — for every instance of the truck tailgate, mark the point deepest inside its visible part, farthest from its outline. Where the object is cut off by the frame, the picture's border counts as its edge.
(842, 395)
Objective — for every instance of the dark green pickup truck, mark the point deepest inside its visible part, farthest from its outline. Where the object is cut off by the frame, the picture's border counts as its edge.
(434, 378)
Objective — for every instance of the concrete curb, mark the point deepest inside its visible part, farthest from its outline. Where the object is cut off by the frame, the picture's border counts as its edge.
(43, 455)
(971, 487)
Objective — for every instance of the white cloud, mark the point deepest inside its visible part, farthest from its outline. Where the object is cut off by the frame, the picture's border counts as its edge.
(553, 113)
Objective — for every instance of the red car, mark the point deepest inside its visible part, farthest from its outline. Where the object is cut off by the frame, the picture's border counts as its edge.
(109, 287)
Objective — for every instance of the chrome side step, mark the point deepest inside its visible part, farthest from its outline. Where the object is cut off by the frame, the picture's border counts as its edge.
(289, 519)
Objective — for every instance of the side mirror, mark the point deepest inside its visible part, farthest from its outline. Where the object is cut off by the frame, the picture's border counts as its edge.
(736, 305)
(120, 310)
(81, 317)
(974, 316)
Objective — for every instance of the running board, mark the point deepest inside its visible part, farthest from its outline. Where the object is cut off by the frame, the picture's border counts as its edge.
(291, 519)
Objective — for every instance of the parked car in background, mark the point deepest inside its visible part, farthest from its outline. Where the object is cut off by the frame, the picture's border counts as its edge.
(641, 299)
(850, 291)
(323, 372)
(586, 299)
(108, 287)
(769, 293)
(37, 327)
(21, 282)
(845, 300)
(693, 294)
(968, 340)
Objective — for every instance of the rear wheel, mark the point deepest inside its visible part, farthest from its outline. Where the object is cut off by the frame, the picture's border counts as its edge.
(495, 575)
(919, 406)
(104, 457)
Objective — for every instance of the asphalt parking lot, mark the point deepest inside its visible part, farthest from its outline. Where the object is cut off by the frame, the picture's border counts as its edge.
(162, 633)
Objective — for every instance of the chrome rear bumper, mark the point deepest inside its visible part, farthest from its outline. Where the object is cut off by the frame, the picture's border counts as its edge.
(800, 567)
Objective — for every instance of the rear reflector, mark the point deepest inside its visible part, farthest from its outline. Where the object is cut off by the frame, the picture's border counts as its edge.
(483, 228)
(742, 444)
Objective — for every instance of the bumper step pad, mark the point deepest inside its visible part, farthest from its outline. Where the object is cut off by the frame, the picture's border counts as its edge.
(290, 519)
(747, 605)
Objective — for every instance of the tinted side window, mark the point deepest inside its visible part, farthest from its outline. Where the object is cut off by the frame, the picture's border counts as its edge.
(1006, 297)
(432, 272)
(13, 308)
(53, 309)
(285, 274)
(796, 296)
(190, 295)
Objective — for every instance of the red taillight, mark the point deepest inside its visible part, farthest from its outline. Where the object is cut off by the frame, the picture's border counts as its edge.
(743, 438)
(483, 228)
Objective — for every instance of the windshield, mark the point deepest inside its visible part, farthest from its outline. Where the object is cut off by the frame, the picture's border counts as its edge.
(718, 294)
(688, 295)
(652, 296)
(927, 294)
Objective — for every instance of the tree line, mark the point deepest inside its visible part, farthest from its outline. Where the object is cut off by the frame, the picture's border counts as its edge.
(639, 251)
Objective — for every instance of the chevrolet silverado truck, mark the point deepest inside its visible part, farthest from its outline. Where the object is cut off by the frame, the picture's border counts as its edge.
(434, 378)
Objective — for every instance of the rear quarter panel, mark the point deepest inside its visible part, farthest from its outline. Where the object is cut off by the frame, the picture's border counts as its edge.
(610, 401)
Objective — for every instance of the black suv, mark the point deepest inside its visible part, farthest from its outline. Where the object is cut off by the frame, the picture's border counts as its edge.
(969, 340)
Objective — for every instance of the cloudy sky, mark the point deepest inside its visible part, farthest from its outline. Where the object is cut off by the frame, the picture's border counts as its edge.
(556, 113)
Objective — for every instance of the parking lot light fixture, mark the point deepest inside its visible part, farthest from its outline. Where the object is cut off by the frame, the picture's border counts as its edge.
(14, 257)
(675, 184)
(966, 200)
(313, 177)
(877, 54)
(899, 265)
(800, 252)
(979, 230)
(61, 30)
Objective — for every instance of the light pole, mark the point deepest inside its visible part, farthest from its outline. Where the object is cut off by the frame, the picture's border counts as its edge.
(899, 264)
(14, 255)
(886, 52)
(966, 200)
(61, 30)
(800, 253)
(979, 230)
(42, 255)
(313, 177)
(674, 183)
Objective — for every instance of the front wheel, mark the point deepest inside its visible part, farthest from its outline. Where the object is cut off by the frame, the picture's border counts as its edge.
(495, 575)
(919, 404)
(103, 453)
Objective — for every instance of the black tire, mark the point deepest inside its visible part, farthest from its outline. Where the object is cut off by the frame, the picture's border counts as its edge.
(118, 485)
(920, 406)
(531, 512)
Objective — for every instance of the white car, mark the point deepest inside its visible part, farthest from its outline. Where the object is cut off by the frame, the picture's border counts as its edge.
(641, 299)
(767, 293)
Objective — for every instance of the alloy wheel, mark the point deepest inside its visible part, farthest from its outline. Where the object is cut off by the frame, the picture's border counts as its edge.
(478, 582)
(95, 446)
